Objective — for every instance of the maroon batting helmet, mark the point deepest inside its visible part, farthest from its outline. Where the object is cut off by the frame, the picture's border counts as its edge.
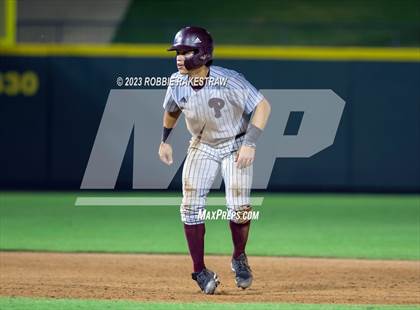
(198, 40)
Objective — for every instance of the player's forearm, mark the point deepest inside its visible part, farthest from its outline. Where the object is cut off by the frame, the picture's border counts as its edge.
(258, 122)
(170, 118)
(169, 121)
(261, 114)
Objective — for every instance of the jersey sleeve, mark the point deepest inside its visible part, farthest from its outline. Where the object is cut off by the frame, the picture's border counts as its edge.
(252, 96)
(169, 103)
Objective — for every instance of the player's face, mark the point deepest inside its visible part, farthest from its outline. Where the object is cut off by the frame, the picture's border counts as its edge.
(180, 58)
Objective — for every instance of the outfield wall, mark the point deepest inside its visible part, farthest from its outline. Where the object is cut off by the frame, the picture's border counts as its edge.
(51, 106)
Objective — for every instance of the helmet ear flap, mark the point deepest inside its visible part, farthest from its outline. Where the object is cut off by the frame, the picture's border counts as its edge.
(205, 56)
(201, 58)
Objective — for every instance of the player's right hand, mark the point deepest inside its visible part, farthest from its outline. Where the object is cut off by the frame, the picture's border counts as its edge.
(165, 153)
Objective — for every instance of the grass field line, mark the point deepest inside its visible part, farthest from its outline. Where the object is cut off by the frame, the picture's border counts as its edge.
(21, 303)
(216, 255)
(151, 201)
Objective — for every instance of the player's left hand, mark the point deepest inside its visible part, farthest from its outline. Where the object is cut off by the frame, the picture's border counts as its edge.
(245, 156)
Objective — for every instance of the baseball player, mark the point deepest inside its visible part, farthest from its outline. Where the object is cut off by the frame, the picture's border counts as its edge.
(224, 137)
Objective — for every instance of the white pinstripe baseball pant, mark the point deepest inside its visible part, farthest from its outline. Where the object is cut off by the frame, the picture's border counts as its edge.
(200, 170)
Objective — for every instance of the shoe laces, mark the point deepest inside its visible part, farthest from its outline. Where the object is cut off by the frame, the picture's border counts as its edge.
(242, 265)
(202, 276)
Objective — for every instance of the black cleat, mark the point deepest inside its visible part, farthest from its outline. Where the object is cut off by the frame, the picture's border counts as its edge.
(243, 273)
(207, 280)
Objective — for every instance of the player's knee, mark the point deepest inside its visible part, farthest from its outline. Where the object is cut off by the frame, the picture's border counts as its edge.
(238, 190)
(241, 214)
(189, 188)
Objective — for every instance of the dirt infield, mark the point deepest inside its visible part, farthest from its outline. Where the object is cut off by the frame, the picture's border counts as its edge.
(167, 278)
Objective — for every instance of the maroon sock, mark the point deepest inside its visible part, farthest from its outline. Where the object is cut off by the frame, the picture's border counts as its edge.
(239, 237)
(195, 239)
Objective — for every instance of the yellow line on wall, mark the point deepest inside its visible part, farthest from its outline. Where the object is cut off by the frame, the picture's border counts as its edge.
(221, 52)
(323, 53)
(9, 22)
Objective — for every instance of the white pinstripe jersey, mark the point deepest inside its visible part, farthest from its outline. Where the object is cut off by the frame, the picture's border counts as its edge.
(215, 113)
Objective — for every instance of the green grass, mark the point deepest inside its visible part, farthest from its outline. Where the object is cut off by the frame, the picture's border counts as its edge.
(70, 304)
(298, 22)
(354, 226)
